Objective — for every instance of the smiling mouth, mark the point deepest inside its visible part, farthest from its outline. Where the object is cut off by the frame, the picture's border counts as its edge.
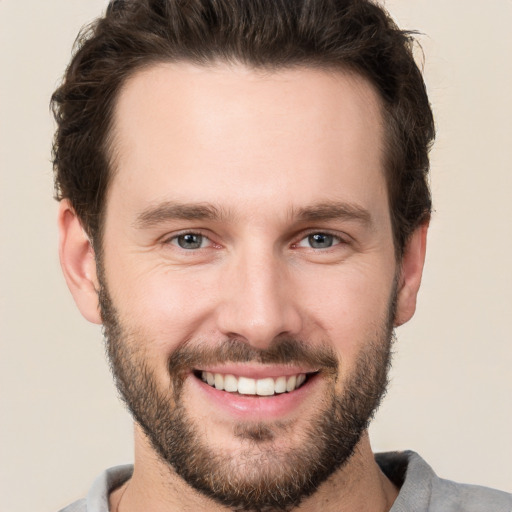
(268, 386)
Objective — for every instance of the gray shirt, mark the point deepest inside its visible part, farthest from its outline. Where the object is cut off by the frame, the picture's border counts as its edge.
(421, 490)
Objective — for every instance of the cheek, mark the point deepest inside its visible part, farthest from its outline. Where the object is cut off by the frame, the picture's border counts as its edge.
(350, 307)
(166, 306)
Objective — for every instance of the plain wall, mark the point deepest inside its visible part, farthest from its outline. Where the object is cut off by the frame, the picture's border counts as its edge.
(450, 397)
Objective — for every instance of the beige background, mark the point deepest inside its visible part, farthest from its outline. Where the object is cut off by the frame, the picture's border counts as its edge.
(451, 393)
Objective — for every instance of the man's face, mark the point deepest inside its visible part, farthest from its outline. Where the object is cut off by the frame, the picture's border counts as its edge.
(248, 243)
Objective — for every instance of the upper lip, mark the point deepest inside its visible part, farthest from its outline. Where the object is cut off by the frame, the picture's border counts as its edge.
(256, 371)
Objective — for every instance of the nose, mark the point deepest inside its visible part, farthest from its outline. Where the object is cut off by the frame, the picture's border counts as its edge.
(258, 300)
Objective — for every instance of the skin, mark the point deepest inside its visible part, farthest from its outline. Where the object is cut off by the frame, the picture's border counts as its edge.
(292, 140)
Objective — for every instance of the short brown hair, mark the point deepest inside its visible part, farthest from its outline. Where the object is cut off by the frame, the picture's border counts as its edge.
(357, 35)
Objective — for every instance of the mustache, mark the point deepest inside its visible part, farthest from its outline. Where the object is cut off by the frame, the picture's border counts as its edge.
(282, 351)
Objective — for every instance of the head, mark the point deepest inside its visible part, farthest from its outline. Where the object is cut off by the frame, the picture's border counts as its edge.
(245, 203)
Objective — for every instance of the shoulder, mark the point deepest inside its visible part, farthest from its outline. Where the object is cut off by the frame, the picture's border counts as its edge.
(448, 495)
(97, 497)
(77, 506)
(421, 490)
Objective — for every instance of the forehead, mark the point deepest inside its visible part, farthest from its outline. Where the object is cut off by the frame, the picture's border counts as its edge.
(221, 133)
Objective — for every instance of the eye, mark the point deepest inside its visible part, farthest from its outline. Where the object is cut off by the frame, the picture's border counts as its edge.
(319, 241)
(190, 241)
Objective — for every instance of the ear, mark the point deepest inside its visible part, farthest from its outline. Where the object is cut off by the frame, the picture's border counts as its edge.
(411, 270)
(78, 263)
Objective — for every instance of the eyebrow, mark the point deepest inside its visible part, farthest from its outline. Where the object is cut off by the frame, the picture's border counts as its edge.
(334, 210)
(170, 210)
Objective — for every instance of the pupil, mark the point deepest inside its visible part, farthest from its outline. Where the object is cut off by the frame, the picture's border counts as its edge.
(190, 241)
(320, 240)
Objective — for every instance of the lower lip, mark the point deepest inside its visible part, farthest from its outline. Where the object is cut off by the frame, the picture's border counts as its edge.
(257, 408)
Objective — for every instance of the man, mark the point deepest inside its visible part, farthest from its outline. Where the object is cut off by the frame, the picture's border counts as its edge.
(244, 207)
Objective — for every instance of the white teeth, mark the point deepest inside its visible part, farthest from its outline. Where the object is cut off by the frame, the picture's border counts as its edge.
(280, 385)
(219, 381)
(265, 387)
(246, 386)
(300, 380)
(291, 383)
(230, 383)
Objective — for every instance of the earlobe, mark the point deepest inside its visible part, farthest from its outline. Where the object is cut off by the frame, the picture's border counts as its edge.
(411, 270)
(78, 263)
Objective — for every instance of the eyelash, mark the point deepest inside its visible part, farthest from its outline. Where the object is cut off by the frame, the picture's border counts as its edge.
(173, 240)
(338, 240)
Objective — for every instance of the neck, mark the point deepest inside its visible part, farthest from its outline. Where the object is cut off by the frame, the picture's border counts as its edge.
(359, 485)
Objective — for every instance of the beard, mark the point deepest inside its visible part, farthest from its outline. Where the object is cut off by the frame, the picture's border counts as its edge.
(260, 476)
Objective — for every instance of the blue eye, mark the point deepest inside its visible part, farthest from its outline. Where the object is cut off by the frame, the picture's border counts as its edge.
(319, 241)
(190, 241)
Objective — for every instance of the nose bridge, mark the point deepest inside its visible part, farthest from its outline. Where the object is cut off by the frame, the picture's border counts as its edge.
(257, 304)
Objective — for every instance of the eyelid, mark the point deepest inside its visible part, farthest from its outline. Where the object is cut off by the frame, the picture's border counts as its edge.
(170, 238)
(341, 238)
